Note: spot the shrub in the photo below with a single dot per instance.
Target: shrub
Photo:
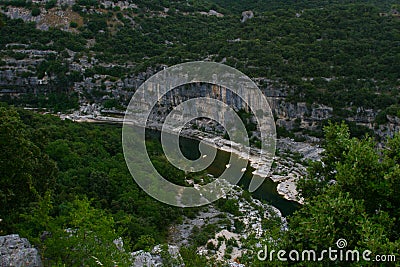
(73, 24)
(35, 11)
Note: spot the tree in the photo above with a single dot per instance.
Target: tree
(73, 24)
(324, 220)
(35, 11)
(361, 173)
(335, 215)
(25, 173)
(360, 204)
(80, 235)
(50, 4)
(145, 242)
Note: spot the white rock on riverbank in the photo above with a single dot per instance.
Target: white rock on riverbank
(252, 213)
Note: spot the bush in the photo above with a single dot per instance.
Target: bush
(239, 226)
(247, 196)
(229, 205)
(50, 4)
(211, 246)
(73, 24)
(76, 8)
(35, 11)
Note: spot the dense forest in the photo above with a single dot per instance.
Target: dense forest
(344, 54)
(351, 194)
(59, 175)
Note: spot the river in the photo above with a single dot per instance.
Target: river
(266, 192)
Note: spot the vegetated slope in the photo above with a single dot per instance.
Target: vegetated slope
(345, 55)
(65, 186)
(351, 195)
(339, 53)
(271, 5)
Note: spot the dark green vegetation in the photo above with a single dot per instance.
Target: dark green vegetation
(70, 180)
(362, 204)
(65, 186)
(340, 53)
(352, 194)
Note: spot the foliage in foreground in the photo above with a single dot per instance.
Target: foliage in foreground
(65, 186)
(352, 194)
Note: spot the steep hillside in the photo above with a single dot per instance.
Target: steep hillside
(65, 186)
(342, 56)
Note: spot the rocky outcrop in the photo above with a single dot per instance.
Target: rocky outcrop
(167, 255)
(292, 116)
(18, 252)
(121, 4)
(47, 18)
(17, 77)
(212, 13)
(389, 128)
(247, 15)
(233, 229)
(289, 166)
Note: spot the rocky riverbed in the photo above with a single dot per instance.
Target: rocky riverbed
(226, 232)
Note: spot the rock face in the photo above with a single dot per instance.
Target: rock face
(47, 18)
(18, 252)
(389, 128)
(232, 229)
(159, 256)
(247, 15)
(212, 13)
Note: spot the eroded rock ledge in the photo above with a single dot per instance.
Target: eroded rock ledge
(16, 251)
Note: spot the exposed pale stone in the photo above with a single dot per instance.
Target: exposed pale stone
(18, 252)
(154, 258)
